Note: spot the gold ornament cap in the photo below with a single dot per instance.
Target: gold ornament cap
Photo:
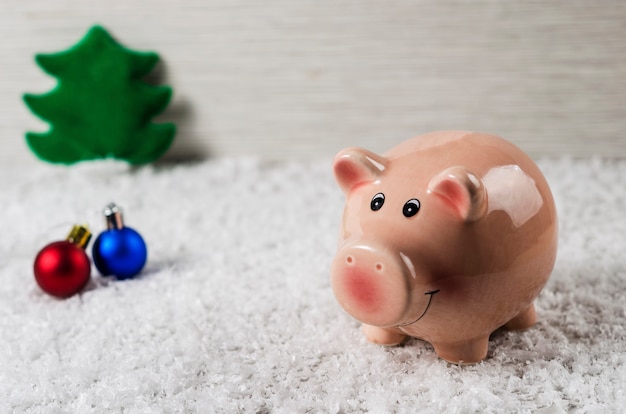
(79, 235)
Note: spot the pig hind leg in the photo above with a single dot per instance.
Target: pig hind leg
(523, 320)
(383, 336)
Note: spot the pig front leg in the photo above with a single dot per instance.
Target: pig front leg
(383, 336)
(467, 352)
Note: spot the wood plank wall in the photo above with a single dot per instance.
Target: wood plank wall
(303, 78)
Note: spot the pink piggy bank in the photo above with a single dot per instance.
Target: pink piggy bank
(447, 237)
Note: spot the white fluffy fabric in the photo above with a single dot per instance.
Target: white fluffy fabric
(234, 311)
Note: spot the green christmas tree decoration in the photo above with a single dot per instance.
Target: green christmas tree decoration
(100, 107)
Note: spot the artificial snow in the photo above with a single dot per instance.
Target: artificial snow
(234, 311)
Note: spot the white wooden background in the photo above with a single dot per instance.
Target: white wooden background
(304, 78)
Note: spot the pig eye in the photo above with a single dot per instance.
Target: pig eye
(411, 207)
(377, 202)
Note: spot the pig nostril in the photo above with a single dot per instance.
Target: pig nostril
(379, 267)
(349, 260)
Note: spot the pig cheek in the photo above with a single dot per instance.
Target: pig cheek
(364, 292)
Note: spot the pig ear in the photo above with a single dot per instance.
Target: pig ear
(356, 165)
(462, 191)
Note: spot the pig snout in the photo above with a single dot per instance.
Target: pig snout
(372, 284)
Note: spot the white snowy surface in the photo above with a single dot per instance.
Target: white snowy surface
(234, 311)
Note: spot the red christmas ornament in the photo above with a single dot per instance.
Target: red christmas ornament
(62, 268)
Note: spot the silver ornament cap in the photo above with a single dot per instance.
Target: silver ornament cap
(113, 216)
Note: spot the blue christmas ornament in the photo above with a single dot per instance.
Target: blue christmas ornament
(119, 251)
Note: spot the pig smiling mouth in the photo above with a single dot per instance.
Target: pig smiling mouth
(430, 299)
